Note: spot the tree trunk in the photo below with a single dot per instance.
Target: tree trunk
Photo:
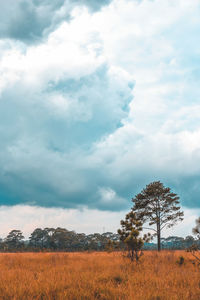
(158, 237)
(132, 255)
(136, 255)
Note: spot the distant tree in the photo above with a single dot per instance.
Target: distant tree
(173, 242)
(179, 243)
(189, 241)
(82, 243)
(111, 246)
(195, 248)
(38, 238)
(158, 206)
(49, 239)
(14, 239)
(2, 245)
(61, 238)
(196, 229)
(130, 234)
(95, 241)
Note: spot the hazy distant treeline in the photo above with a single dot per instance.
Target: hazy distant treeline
(58, 239)
(61, 239)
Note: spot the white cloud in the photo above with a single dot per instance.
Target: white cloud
(109, 198)
(27, 218)
(184, 228)
(63, 56)
(105, 104)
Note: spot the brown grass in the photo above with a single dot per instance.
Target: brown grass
(98, 276)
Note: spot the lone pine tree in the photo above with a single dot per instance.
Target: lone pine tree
(157, 205)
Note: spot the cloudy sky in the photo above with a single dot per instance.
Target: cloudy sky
(97, 99)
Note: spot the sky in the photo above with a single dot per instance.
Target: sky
(97, 100)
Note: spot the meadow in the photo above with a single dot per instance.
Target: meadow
(98, 275)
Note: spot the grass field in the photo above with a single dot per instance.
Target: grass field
(96, 275)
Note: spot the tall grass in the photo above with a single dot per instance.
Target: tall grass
(158, 276)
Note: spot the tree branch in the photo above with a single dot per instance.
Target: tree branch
(150, 228)
(196, 257)
(165, 225)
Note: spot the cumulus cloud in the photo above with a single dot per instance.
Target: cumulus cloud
(105, 104)
(57, 100)
(31, 20)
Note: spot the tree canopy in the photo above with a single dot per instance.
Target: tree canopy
(130, 234)
(157, 205)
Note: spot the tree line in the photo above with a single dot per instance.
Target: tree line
(58, 239)
(61, 239)
(156, 207)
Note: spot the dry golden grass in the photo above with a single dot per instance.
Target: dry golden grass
(98, 276)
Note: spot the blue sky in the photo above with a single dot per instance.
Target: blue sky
(97, 99)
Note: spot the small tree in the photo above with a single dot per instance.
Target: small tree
(195, 248)
(130, 235)
(111, 246)
(196, 229)
(158, 206)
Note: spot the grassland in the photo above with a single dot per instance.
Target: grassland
(96, 275)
